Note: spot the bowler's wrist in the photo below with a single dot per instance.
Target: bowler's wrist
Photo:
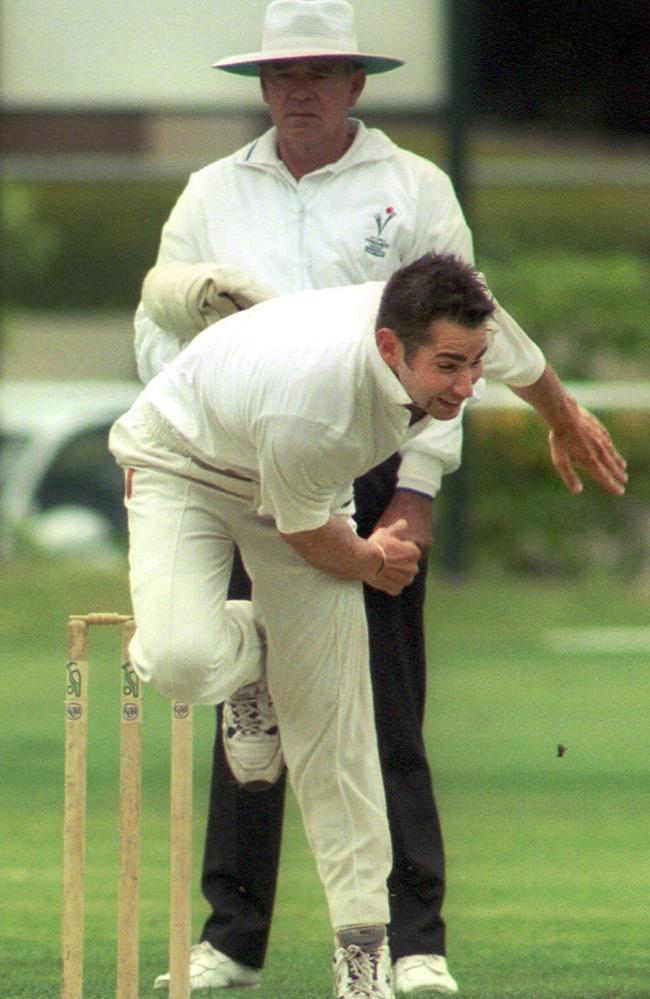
(382, 555)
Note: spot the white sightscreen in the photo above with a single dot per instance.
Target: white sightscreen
(156, 54)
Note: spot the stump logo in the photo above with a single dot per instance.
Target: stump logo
(376, 245)
(73, 685)
(130, 681)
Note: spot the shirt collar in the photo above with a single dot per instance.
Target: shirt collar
(367, 145)
(390, 386)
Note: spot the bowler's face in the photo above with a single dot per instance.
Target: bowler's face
(441, 374)
(310, 98)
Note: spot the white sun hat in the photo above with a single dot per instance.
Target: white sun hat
(307, 29)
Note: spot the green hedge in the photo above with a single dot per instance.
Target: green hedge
(589, 312)
(521, 517)
(81, 246)
(608, 219)
(88, 245)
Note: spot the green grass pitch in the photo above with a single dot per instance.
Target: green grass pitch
(548, 857)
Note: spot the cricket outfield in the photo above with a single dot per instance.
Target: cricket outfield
(547, 851)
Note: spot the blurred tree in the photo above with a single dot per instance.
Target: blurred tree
(30, 243)
(589, 312)
(585, 63)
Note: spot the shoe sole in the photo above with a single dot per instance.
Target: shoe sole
(164, 986)
(426, 990)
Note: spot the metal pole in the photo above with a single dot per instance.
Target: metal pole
(461, 35)
(460, 28)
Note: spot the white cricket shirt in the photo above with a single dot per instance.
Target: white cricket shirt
(304, 415)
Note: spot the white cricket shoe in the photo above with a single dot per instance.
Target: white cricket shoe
(422, 974)
(210, 969)
(251, 738)
(362, 974)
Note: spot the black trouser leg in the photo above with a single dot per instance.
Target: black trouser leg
(398, 667)
(242, 848)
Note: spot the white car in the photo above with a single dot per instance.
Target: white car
(60, 488)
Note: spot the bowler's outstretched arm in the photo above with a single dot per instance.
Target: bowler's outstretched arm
(575, 436)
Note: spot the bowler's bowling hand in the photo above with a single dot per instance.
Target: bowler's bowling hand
(585, 442)
(400, 559)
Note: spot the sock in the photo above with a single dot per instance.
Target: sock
(365, 937)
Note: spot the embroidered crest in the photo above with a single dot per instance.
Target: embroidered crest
(376, 245)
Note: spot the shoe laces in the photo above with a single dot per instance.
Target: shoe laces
(362, 970)
(251, 713)
(202, 954)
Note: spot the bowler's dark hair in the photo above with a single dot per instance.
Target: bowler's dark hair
(435, 286)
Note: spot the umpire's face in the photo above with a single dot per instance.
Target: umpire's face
(309, 99)
(440, 375)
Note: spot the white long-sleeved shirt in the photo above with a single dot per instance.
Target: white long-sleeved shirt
(359, 219)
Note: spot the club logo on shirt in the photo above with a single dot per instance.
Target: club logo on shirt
(376, 245)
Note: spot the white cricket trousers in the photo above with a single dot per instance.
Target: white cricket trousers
(305, 629)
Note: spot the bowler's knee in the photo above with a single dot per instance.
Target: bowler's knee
(180, 672)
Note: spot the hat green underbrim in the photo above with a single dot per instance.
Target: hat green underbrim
(371, 64)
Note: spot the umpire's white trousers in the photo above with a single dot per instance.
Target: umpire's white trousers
(306, 629)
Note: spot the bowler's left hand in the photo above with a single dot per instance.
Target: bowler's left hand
(415, 509)
(585, 442)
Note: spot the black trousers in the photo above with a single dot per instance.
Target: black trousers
(243, 836)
